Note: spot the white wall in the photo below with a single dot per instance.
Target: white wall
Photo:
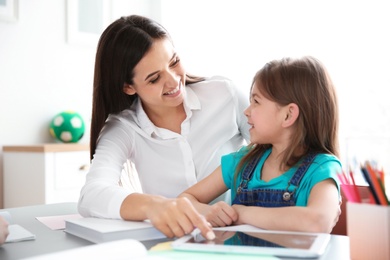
(41, 74)
(236, 38)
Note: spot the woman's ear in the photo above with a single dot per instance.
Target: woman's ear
(292, 113)
(128, 89)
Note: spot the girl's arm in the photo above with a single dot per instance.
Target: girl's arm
(202, 193)
(320, 214)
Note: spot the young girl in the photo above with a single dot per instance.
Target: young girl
(285, 179)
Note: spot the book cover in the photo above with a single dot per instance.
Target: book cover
(99, 230)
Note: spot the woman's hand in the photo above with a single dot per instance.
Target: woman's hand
(4, 232)
(177, 217)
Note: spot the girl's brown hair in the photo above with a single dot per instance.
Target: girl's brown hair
(305, 82)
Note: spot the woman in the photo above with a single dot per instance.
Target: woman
(173, 127)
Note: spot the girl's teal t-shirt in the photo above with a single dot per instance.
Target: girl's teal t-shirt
(324, 166)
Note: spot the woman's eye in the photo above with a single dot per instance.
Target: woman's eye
(155, 80)
(176, 61)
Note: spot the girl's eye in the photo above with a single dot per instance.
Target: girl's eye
(254, 101)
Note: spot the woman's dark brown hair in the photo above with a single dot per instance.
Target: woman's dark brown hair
(121, 46)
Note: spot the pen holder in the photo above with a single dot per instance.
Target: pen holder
(368, 228)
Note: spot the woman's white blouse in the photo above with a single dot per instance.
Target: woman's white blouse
(167, 163)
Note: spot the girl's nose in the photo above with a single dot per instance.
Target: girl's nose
(247, 111)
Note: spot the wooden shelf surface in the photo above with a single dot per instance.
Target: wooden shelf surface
(49, 147)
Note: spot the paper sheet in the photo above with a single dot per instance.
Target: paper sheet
(57, 222)
(18, 233)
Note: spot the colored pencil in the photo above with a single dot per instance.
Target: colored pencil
(376, 185)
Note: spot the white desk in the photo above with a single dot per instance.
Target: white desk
(49, 241)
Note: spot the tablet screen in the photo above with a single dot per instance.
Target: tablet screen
(261, 242)
(237, 238)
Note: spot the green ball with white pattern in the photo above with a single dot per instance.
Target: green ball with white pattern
(67, 127)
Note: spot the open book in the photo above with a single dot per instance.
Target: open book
(135, 250)
(114, 250)
(16, 232)
(99, 230)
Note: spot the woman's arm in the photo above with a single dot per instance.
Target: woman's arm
(202, 193)
(103, 197)
(320, 214)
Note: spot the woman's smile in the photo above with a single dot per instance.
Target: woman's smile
(173, 92)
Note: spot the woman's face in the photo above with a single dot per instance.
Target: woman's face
(159, 77)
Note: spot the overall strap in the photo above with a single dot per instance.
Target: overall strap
(300, 172)
(297, 177)
(248, 172)
(250, 168)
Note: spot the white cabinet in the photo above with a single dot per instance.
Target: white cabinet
(43, 174)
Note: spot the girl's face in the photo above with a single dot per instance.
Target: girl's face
(158, 77)
(265, 117)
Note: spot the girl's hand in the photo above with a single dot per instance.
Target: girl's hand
(239, 209)
(220, 214)
(178, 217)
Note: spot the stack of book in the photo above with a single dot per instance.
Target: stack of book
(99, 230)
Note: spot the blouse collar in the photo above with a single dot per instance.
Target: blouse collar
(191, 102)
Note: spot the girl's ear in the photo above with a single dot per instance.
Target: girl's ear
(292, 113)
(128, 89)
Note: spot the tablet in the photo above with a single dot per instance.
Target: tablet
(254, 241)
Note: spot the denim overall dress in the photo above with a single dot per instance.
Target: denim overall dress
(270, 197)
(266, 197)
